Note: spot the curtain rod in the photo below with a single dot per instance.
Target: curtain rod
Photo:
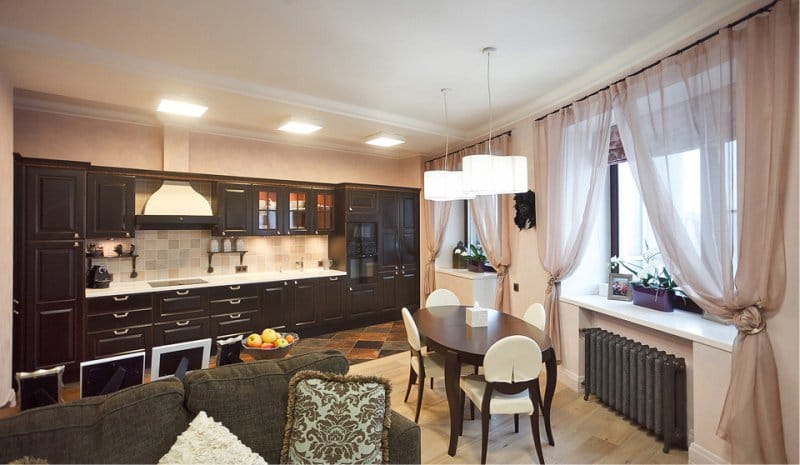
(470, 146)
(678, 52)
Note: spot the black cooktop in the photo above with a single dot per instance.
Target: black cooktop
(176, 282)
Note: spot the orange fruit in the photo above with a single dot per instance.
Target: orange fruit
(289, 338)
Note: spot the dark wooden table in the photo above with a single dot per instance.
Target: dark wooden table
(447, 332)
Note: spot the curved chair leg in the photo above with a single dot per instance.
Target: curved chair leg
(461, 413)
(484, 435)
(516, 422)
(537, 441)
(420, 389)
(412, 378)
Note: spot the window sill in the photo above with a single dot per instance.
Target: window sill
(685, 325)
(462, 273)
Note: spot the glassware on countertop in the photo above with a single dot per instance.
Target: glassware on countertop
(213, 245)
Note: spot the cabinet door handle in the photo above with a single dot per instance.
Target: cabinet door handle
(127, 234)
(16, 302)
(223, 233)
(334, 278)
(279, 233)
(351, 289)
(182, 292)
(236, 301)
(238, 191)
(396, 273)
(234, 288)
(395, 267)
(350, 209)
(121, 299)
(181, 323)
(317, 231)
(76, 244)
(121, 332)
(76, 235)
(121, 315)
(235, 316)
(295, 282)
(285, 283)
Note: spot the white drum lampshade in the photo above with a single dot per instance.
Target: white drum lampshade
(444, 185)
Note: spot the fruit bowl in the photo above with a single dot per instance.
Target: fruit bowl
(273, 353)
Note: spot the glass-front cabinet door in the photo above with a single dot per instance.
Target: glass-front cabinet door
(323, 219)
(269, 221)
(299, 212)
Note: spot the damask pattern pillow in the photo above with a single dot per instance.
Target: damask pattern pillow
(334, 418)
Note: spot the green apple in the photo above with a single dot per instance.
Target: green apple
(281, 342)
(269, 335)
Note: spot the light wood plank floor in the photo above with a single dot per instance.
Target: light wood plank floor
(584, 431)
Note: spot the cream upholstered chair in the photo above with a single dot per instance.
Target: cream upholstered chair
(509, 385)
(441, 297)
(536, 315)
(422, 364)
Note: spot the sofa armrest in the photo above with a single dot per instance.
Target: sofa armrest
(404, 438)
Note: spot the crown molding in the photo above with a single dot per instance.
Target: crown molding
(119, 116)
(47, 45)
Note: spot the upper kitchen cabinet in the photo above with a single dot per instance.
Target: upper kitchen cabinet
(323, 213)
(55, 202)
(399, 230)
(110, 206)
(269, 206)
(234, 204)
(299, 219)
(361, 204)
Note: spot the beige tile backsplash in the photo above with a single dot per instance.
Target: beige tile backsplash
(182, 254)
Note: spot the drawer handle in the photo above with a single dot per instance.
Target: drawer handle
(121, 315)
(182, 323)
(334, 279)
(234, 288)
(121, 299)
(351, 289)
(182, 292)
(235, 316)
(236, 301)
(121, 332)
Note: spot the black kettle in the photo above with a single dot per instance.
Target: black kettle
(99, 277)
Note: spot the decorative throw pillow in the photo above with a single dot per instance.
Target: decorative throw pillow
(334, 418)
(208, 441)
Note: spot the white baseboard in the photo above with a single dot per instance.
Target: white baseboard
(699, 454)
(570, 379)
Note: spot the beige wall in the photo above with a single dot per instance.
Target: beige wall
(6, 231)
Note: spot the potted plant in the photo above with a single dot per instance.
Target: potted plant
(655, 287)
(477, 261)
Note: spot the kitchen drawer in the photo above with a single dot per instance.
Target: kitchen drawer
(182, 304)
(233, 324)
(180, 331)
(118, 320)
(233, 292)
(243, 304)
(119, 303)
(115, 342)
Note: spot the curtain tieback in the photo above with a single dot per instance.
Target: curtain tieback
(502, 270)
(750, 320)
(552, 282)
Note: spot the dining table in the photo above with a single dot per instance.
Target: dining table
(446, 331)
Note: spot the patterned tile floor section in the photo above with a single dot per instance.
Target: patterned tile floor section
(361, 344)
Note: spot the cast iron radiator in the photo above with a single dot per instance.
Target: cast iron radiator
(644, 384)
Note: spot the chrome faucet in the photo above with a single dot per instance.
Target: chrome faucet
(300, 263)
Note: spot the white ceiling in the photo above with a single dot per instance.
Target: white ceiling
(359, 66)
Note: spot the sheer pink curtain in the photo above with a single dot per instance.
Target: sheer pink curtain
(570, 165)
(492, 217)
(437, 214)
(707, 134)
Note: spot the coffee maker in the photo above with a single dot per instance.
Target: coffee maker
(98, 277)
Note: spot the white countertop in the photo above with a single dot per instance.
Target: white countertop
(463, 273)
(678, 323)
(138, 287)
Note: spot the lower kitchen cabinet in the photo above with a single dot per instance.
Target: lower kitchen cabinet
(54, 335)
(329, 302)
(362, 300)
(387, 291)
(181, 304)
(274, 304)
(180, 331)
(302, 311)
(235, 324)
(408, 289)
(118, 341)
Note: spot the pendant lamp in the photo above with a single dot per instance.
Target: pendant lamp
(442, 185)
(488, 174)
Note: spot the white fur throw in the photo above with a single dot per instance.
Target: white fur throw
(207, 441)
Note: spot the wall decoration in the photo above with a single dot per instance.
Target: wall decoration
(526, 210)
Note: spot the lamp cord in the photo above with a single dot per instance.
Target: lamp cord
(489, 91)
(446, 129)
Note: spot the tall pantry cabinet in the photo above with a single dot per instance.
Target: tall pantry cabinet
(49, 266)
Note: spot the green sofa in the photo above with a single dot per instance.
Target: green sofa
(140, 424)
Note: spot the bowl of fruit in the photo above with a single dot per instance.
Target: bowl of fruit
(269, 344)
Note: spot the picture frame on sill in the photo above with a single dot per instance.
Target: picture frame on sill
(619, 286)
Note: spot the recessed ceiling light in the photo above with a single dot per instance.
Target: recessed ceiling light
(385, 140)
(299, 127)
(181, 108)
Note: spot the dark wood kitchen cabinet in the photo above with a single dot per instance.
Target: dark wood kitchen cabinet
(268, 206)
(398, 251)
(299, 207)
(274, 304)
(234, 205)
(118, 324)
(54, 203)
(110, 209)
(302, 310)
(329, 300)
(323, 211)
(361, 204)
(362, 300)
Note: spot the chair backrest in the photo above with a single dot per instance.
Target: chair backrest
(412, 333)
(40, 387)
(228, 351)
(513, 359)
(536, 315)
(441, 297)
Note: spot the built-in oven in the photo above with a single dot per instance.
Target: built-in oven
(362, 252)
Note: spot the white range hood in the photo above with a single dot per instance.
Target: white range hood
(177, 198)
